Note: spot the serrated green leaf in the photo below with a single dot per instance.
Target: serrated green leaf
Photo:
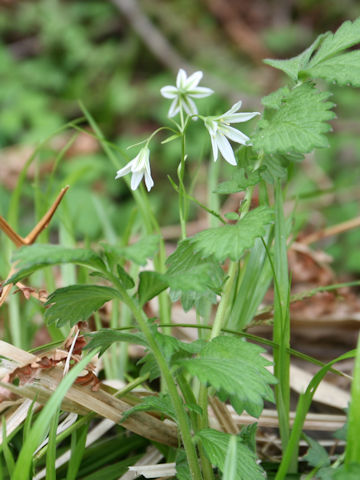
(76, 303)
(347, 35)
(298, 124)
(274, 99)
(150, 285)
(231, 241)
(191, 277)
(236, 370)
(138, 252)
(316, 455)
(293, 65)
(216, 446)
(343, 69)
(31, 258)
(240, 181)
(124, 278)
(161, 403)
(149, 366)
(104, 338)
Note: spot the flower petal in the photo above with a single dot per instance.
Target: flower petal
(233, 109)
(234, 134)
(225, 148)
(181, 78)
(125, 170)
(136, 179)
(214, 147)
(149, 182)
(189, 106)
(200, 92)
(193, 80)
(240, 117)
(174, 107)
(169, 91)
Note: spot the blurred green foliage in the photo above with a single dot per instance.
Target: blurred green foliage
(56, 52)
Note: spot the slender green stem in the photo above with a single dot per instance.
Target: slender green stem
(281, 332)
(181, 416)
(182, 197)
(225, 304)
(213, 198)
(204, 423)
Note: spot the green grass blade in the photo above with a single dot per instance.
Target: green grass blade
(230, 460)
(352, 452)
(281, 333)
(301, 411)
(51, 451)
(78, 442)
(8, 456)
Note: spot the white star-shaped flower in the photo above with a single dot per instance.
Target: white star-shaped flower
(139, 167)
(220, 131)
(186, 89)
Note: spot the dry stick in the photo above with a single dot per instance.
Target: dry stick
(44, 222)
(330, 231)
(14, 237)
(223, 416)
(30, 238)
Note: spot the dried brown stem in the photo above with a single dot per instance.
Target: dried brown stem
(44, 222)
(330, 231)
(30, 238)
(14, 237)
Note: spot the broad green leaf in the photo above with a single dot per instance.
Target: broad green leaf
(161, 403)
(76, 303)
(316, 455)
(104, 338)
(347, 35)
(191, 277)
(31, 258)
(296, 122)
(236, 370)
(294, 65)
(124, 277)
(138, 252)
(239, 182)
(149, 366)
(216, 446)
(343, 69)
(231, 241)
(150, 285)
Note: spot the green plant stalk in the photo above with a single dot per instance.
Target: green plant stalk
(182, 197)
(301, 412)
(198, 421)
(281, 331)
(204, 423)
(352, 451)
(225, 304)
(213, 198)
(150, 222)
(181, 416)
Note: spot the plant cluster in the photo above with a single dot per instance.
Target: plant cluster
(222, 272)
